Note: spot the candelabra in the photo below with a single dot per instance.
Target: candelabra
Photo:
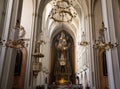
(16, 43)
(36, 64)
(100, 44)
(20, 43)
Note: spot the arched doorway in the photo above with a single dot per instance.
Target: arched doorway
(20, 69)
(62, 59)
(102, 69)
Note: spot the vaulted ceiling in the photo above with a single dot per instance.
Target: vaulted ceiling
(44, 7)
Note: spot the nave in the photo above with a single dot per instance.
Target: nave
(61, 44)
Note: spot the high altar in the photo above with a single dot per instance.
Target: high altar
(62, 71)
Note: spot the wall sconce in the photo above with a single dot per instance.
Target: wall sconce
(16, 43)
(100, 44)
(105, 46)
(83, 42)
(36, 64)
(41, 42)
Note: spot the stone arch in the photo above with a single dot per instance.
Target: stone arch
(60, 28)
(102, 68)
(52, 23)
(20, 68)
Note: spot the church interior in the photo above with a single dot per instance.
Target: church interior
(59, 44)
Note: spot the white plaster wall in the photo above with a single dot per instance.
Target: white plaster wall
(97, 18)
(26, 18)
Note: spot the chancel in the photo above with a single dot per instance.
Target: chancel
(62, 71)
(59, 44)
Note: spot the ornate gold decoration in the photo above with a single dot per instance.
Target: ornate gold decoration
(19, 43)
(41, 42)
(16, 43)
(100, 44)
(62, 43)
(62, 64)
(62, 11)
(62, 81)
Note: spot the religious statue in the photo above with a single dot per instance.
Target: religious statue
(62, 60)
(62, 42)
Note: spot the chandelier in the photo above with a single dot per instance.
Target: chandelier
(83, 41)
(100, 43)
(62, 11)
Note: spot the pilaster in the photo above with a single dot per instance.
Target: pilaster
(7, 57)
(5, 35)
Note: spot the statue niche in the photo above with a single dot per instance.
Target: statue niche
(62, 71)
